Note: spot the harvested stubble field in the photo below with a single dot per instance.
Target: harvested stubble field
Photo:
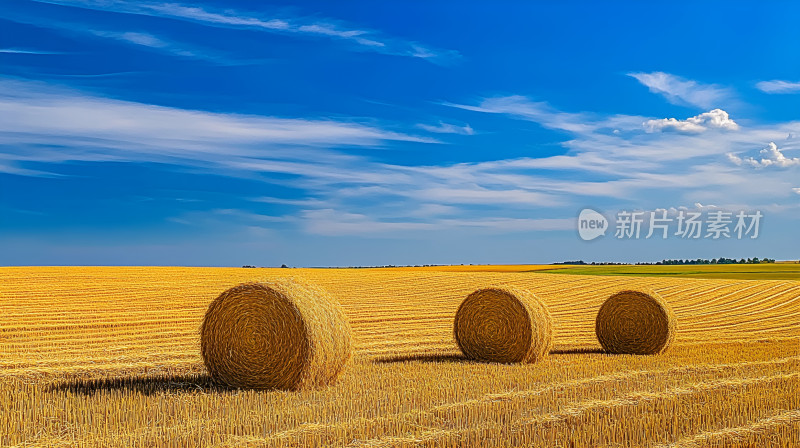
(110, 357)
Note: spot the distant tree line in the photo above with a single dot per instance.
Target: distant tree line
(721, 260)
(594, 263)
(399, 266)
(253, 267)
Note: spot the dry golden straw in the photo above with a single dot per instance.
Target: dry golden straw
(283, 335)
(503, 324)
(635, 322)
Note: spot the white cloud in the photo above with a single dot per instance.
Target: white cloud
(151, 41)
(515, 194)
(137, 38)
(672, 123)
(429, 210)
(678, 90)
(334, 222)
(176, 10)
(46, 124)
(346, 193)
(337, 222)
(476, 194)
(699, 207)
(447, 128)
(368, 40)
(23, 51)
(778, 86)
(144, 39)
(601, 163)
(770, 156)
(796, 190)
(514, 224)
(540, 112)
(714, 119)
(330, 30)
(297, 202)
(734, 158)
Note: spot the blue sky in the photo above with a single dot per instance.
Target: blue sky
(364, 133)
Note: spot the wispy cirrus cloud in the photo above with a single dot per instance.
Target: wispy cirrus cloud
(540, 112)
(48, 124)
(336, 223)
(26, 51)
(683, 91)
(778, 86)
(140, 39)
(447, 128)
(635, 159)
(45, 126)
(363, 39)
(152, 41)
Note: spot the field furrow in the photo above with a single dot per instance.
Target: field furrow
(98, 357)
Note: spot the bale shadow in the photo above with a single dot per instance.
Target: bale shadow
(145, 385)
(578, 351)
(423, 358)
(461, 358)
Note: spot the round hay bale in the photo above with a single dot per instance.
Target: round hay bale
(282, 335)
(635, 322)
(503, 324)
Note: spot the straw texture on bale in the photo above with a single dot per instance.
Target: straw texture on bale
(282, 335)
(635, 322)
(503, 324)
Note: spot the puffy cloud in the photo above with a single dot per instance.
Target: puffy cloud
(714, 119)
(796, 190)
(778, 86)
(735, 159)
(770, 156)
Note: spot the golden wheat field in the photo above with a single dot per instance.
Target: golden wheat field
(109, 356)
